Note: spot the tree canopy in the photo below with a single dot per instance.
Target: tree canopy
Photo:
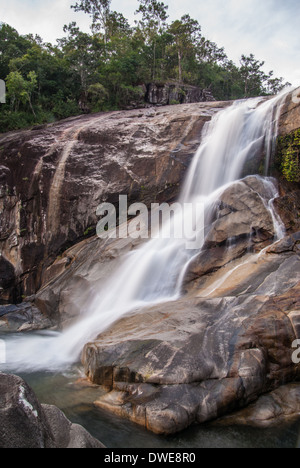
(108, 68)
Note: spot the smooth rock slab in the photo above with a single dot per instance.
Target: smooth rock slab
(22, 317)
(196, 359)
(277, 407)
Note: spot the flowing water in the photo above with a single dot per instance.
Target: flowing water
(154, 272)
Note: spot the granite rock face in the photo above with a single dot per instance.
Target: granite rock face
(162, 94)
(52, 180)
(241, 222)
(214, 351)
(25, 423)
(278, 407)
(23, 317)
(229, 339)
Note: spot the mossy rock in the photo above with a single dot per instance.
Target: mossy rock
(288, 156)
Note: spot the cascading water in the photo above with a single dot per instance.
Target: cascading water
(154, 272)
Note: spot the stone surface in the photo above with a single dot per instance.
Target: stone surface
(288, 208)
(25, 423)
(199, 358)
(241, 223)
(227, 341)
(162, 94)
(52, 180)
(23, 317)
(278, 407)
(290, 116)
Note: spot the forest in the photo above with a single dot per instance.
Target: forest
(108, 68)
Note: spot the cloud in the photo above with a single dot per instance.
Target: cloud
(43, 17)
(267, 28)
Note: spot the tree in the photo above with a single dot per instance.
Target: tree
(99, 10)
(97, 95)
(20, 90)
(12, 45)
(186, 35)
(154, 13)
(252, 75)
(83, 55)
(154, 17)
(275, 85)
(117, 25)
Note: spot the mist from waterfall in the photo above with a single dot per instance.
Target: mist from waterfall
(153, 273)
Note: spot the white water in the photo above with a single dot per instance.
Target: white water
(154, 273)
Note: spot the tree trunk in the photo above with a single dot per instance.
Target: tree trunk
(154, 61)
(31, 107)
(179, 66)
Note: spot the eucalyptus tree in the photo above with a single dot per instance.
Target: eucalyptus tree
(153, 25)
(186, 34)
(99, 11)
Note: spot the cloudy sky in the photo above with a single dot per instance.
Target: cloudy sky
(268, 28)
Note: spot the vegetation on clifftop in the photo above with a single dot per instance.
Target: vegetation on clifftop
(108, 68)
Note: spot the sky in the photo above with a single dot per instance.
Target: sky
(269, 29)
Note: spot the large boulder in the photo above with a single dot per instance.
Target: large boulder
(52, 180)
(25, 423)
(289, 119)
(215, 350)
(23, 317)
(273, 409)
(162, 94)
(241, 221)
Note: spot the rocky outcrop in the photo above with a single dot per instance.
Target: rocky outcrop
(52, 179)
(290, 118)
(241, 222)
(276, 408)
(199, 358)
(25, 423)
(228, 340)
(162, 94)
(23, 317)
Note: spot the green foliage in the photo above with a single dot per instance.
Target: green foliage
(288, 156)
(88, 231)
(108, 68)
(97, 95)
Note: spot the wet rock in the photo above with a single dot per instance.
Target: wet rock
(7, 280)
(241, 223)
(290, 117)
(278, 407)
(288, 244)
(288, 208)
(193, 360)
(69, 284)
(22, 317)
(66, 434)
(53, 179)
(242, 211)
(25, 423)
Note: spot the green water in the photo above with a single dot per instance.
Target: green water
(77, 402)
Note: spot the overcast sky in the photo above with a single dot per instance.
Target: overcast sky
(268, 28)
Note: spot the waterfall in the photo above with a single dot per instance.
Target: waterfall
(154, 272)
